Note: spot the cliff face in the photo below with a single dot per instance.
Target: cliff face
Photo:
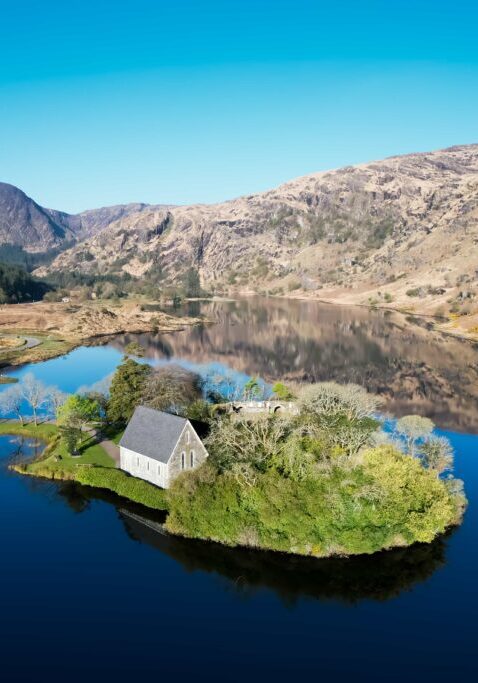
(411, 221)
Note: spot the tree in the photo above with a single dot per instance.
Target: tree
(333, 400)
(437, 454)
(78, 411)
(101, 399)
(253, 390)
(56, 398)
(71, 436)
(343, 414)
(34, 392)
(282, 392)
(11, 401)
(126, 391)
(172, 388)
(413, 428)
(255, 442)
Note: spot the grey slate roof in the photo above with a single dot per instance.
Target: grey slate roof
(153, 433)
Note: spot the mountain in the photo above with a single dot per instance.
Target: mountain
(26, 224)
(411, 220)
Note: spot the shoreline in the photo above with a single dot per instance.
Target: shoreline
(59, 329)
(55, 345)
(443, 327)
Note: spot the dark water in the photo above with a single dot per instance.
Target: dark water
(90, 590)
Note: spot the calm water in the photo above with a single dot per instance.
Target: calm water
(91, 590)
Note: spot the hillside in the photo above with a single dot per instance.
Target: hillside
(26, 224)
(403, 224)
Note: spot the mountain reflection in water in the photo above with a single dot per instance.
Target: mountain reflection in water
(401, 358)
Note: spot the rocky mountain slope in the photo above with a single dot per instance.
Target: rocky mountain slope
(402, 224)
(26, 224)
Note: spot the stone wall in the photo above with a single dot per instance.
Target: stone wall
(188, 443)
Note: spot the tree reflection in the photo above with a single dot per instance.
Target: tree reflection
(378, 577)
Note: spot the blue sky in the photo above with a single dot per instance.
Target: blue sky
(202, 100)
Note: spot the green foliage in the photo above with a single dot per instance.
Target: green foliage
(16, 255)
(77, 411)
(253, 390)
(124, 485)
(126, 389)
(71, 437)
(282, 392)
(386, 499)
(17, 286)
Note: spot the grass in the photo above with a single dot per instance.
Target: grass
(94, 467)
(44, 431)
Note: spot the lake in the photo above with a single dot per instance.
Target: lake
(90, 589)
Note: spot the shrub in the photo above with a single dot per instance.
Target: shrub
(387, 500)
(122, 484)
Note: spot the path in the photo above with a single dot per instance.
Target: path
(31, 342)
(111, 448)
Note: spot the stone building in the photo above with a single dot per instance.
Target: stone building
(157, 446)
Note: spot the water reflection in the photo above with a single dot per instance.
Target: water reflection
(379, 577)
(414, 368)
(15, 449)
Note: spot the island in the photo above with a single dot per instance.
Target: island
(311, 470)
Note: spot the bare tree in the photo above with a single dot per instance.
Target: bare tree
(413, 429)
(437, 454)
(11, 401)
(248, 441)
(34, 392)
(171, 388)
(330, 399)
(56, 398)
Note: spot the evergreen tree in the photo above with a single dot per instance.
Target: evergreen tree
(126, 389)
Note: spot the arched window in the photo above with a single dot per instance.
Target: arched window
(191, 458)
(183, 460)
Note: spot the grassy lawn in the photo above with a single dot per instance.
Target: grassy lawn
(55, 455)
(45, 431)
(93, 467)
